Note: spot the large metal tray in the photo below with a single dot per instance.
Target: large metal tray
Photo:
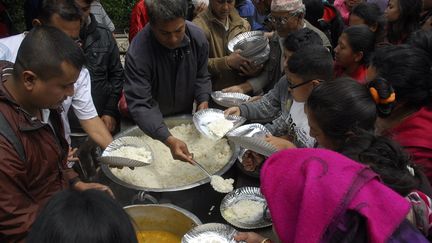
(170, 122)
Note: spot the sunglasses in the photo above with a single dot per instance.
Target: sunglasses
(282, 20)
(293, 86)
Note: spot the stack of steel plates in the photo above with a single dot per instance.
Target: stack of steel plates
(252, 45)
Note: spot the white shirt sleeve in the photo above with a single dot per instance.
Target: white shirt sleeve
(82, 102)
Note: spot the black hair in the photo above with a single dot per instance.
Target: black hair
(408, 70)
(422, 39)
(361, 39)
(89, 216)
(408, 22)
(346, 113)
(166, 10)
(369, 12)
(301, 38)
(372, 16)
(44, 49)
(66, 9)
(384, 156)
(342, 105)
(314, 11)
(312, 62)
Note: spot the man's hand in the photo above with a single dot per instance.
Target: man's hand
(234, 60)
(82, 186)
(200, 7)
(110, 122)
(179, 149)
(252, 161)
(241, 88)
(249, 237)
(279, 143)
(250, 69)
(71, 155)
(254, 98)
(235, 110)
(97, 131)
(202, 106)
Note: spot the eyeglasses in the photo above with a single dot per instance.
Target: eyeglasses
(281, 20)
(293, 86)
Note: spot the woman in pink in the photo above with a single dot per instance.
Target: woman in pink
(352, 52)
(345, 7)
(317, 195)
(408, 70)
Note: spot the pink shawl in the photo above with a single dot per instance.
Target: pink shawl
(306, 190)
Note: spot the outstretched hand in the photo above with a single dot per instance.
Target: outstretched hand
(179, 149)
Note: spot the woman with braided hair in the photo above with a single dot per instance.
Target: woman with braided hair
(408, 70)
(342, 114)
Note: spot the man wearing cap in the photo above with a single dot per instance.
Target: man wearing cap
(287, 16)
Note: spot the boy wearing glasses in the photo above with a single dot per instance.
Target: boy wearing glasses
(306, 64)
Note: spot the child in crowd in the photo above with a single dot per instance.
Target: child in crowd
(88, 216)
(352, 52)
(403, 18)
(370, 15)
(317, 195)
(305, 69)
(342, 115)
(408, 70)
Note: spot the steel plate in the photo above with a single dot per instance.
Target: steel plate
(246, 193)
(107, 158)
(210, 233)
(229, 99)
(203, 118)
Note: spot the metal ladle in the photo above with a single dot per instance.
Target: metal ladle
(202, 168)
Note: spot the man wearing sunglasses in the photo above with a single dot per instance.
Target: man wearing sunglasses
(287, 16)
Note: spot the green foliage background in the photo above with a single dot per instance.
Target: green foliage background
(118, 10)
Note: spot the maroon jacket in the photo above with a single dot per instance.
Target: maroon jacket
(25, 186)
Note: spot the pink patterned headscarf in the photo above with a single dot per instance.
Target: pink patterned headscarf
(286, 5)
(306, 190)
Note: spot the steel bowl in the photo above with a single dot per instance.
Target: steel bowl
(170, 122)
(162, 217)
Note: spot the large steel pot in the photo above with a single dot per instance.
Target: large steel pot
(162, 217)
(170, 122)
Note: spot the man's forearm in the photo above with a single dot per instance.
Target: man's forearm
(97, 131)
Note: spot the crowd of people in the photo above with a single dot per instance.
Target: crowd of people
(346, 94)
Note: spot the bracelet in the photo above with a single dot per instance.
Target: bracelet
(266, 240)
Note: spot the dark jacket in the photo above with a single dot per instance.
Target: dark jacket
(25, 186)
(161, 82)
(103, 63)
(273, 67)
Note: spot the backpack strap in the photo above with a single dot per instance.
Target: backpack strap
(7, 132)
